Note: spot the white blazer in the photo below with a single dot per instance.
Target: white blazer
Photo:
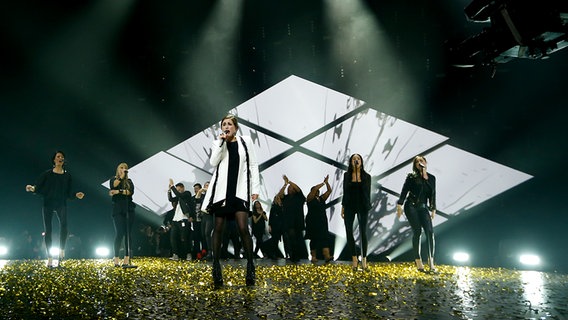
(220, 157)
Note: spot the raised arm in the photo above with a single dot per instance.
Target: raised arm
(328, 191)
(313, 192)
(281, 192)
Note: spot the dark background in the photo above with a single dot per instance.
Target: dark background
(107, 82)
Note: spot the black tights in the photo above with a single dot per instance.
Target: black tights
(349, 218)
(242, 224)
(61, 213)
(419, 218)
(120, 225)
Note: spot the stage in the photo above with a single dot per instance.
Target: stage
(164, 289)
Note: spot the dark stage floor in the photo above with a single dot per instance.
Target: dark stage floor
(164, 289)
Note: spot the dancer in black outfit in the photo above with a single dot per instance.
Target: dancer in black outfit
(199, 248)
(235, 183)
(259, 219)
(294, 225)
(121, 191)
(55, 185)
(419, 192)
(356, 202)
(276, 226)
(207, 223)
(180, 234)
(316, 221)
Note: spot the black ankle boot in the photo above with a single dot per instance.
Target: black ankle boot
(251, 274)
(217, 275)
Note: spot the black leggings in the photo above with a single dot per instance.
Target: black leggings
(206, 231)
(419, 218)
(258, 240)
(242, 225)
(180, 238)
(349, 218)
(120, 225)
(61, 213)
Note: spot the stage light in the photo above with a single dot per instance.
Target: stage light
(102, 252)
(3, 250)
(518, 29)
(54, 251)
(461, 256)
(529, 259)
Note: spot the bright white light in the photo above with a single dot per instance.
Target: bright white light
(461, 257)
(102, 251)
(54, 252)
(529, 259)
(3, 250)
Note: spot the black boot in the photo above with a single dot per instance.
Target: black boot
(217, 275)
(251, 274)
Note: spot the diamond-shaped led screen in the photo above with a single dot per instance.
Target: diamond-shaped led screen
(306, 131)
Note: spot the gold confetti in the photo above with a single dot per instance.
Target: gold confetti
(164, 289)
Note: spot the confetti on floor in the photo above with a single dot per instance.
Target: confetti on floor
(162, 289)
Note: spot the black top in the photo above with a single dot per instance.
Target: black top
(419, 190)
(55, 188)
(357, 195)
(185, 200)
(260, 226)
(122, 198)
(294, 211)
(198, 202)
(233, 172)
(275, 219)
(316, 219)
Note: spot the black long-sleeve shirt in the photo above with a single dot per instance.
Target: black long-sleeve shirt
(55, 188)
(357, 195)
(120, 198)
(419, 190)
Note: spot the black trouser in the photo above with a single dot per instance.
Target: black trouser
(274, 251)
(197, 239)
(258, 234)
(121, 226)
(61, 213)
(419, 218)
(180, 237)
(349, 218)
(296, 247)
(207, 225)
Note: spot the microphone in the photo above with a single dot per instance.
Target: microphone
(125, 171)
(223, 140)
(421, 164)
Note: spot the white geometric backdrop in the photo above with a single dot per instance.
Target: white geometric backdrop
(307, 131)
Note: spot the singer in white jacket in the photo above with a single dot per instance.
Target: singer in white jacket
(235, 183)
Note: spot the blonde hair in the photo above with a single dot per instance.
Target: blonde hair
(125, 182)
